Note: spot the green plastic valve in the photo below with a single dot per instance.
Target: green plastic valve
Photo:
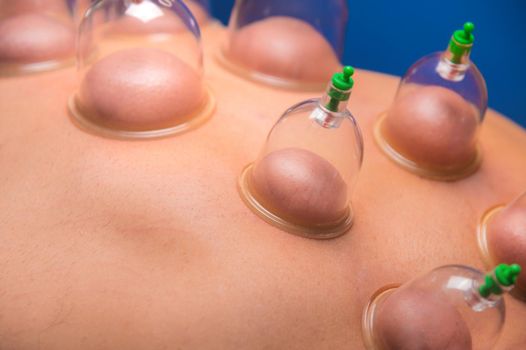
(340, 90)
(503, 276)
(507, 274)
(344, 81)
(462, 42)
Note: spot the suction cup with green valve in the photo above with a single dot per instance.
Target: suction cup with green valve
(303, 180)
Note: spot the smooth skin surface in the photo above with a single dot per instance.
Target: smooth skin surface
(414, 319)
(11, 7)
(140, 89)
(300, 186)
(107, 244)
(506, 235)
(283, 47)
(432, 126)
(35, 37)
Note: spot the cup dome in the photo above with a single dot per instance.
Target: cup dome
(275, 42)
(35, 36)
(304, 177)
(432, 127)
(502, 238)
(140, 70)
(454, 307)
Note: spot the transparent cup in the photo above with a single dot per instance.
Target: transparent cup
(36, 36)
(304, 177)
(432, 127)
(502, 238)
(452, 306)
(276, 42)
(140, 70)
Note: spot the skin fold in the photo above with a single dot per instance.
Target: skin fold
(111, 244)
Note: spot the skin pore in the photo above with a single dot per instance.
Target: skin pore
(111, 244)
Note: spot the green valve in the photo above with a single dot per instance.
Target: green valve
(462, 42)
(344, 81)
(340, 91)
(503, 276)
(507, 274)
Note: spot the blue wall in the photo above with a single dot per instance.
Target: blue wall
(388, 36)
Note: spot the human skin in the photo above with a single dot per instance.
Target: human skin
(140, 89)
(200, 13)
(433, 127)
(283, 47)
(10, 7)
(108, 244)
(35, 37)
(506, 235)
(415, 319)
(300, 187)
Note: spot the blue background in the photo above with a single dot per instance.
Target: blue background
(388, 36)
